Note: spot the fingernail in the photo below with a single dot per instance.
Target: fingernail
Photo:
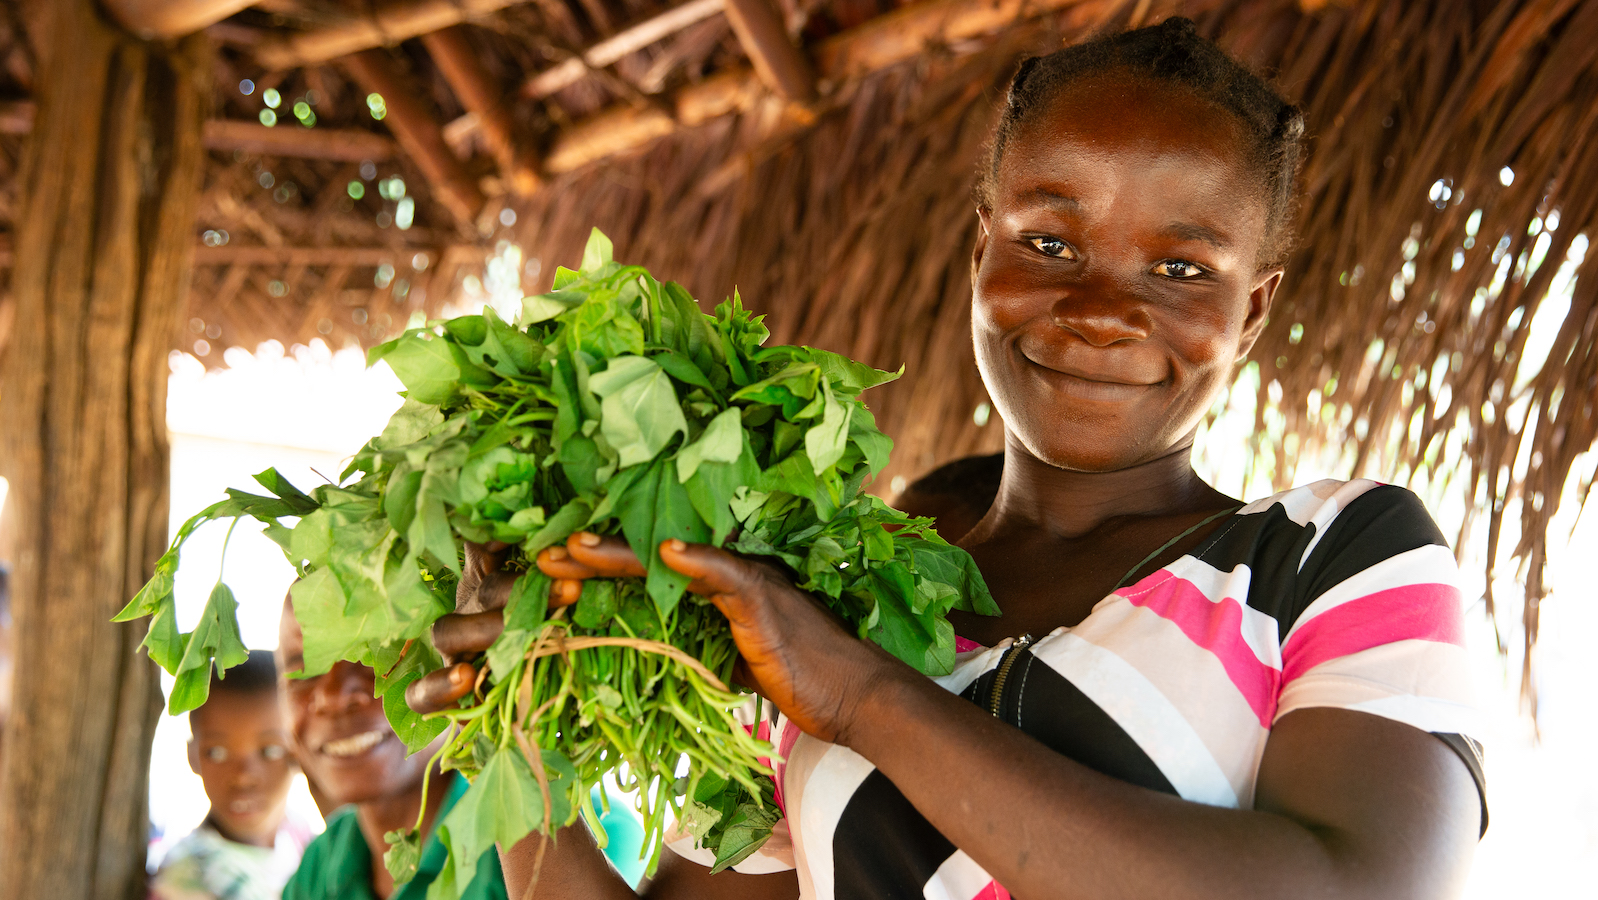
(676, 545)
(588, 539)
(457, 674)
(557, 552)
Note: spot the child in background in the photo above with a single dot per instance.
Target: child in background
(246, 849)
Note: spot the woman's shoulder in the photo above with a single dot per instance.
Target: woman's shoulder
(1300, 543)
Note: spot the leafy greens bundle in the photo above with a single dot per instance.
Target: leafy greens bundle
(613, 405)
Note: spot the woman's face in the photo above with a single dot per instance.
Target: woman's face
(1115, 282)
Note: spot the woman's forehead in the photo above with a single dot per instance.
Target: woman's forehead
(1115, 115)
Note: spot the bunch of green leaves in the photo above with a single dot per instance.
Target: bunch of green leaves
(612, 404)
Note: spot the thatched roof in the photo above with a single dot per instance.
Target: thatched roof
(829, 182)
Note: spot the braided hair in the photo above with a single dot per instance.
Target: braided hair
(1173, 52)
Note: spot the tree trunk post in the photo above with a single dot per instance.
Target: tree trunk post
(104, 246)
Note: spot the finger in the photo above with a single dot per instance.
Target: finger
(714, 571)
(557, 563)
(608, 557)
(564, 592)
(439, 690)
(458, 636)
(494, 591)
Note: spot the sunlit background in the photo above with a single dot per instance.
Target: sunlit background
(305, 410)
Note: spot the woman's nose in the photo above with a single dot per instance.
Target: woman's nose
(343, 687)
(1101, 313)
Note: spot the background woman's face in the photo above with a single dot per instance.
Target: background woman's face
(1115, 282)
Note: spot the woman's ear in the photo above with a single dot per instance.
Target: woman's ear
(1259, 310)
(194, 756)
(984, 217)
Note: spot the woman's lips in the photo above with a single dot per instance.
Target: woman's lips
(1091, 385)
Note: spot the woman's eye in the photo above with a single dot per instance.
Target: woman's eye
(1049, 246)
(1177, 268)
(216, 754)
(273, 752)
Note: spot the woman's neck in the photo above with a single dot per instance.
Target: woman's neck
(398, 813)
(1069, 504)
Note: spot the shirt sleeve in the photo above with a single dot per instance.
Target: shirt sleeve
(1382, 628)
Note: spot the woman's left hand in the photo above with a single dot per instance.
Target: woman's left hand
(794, 652)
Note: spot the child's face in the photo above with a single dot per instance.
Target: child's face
(240, 751)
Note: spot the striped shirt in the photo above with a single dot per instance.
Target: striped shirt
(1338, 594)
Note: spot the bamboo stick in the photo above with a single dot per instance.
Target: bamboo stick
(389, 24)
(164, 19)
(476, 90)
(613, 48)
(418, 132)
(782, 66)
(347, 144)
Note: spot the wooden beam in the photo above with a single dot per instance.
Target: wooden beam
(618, 45)
(347, 144)
(909, 30)
(626, 127)
(418, 132)
(882, 42)
(311, 256)
(782, 66)
(164, 19)
(384, 26)
(476, 90)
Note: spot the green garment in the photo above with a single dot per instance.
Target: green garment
(338, 864)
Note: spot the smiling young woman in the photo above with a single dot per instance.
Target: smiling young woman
(1185, 697)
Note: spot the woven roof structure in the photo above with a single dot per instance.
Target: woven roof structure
(374, 160)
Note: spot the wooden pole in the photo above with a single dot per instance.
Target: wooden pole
(385, 26)
(104, 237)
(476, 90)
(418, 132)
(781, 65)
(613, 48)
(346, 144)
(164, 19)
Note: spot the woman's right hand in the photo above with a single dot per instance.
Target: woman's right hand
(465, 634)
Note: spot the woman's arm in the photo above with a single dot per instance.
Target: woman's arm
(1347, 804)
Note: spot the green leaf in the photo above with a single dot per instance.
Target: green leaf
(544, 307)
(824, 442)
(318, 603)
(682, 368)
(215, 637)
(848, 376)
(559, 527)
(721, 441)
(675, 517)
(427, 368)
(640, 412)
(403, 855)
(598, 253)
(280, 486)
(163, 642)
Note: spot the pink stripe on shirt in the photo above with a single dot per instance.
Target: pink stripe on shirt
(1217, 626)
(1414, 612)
